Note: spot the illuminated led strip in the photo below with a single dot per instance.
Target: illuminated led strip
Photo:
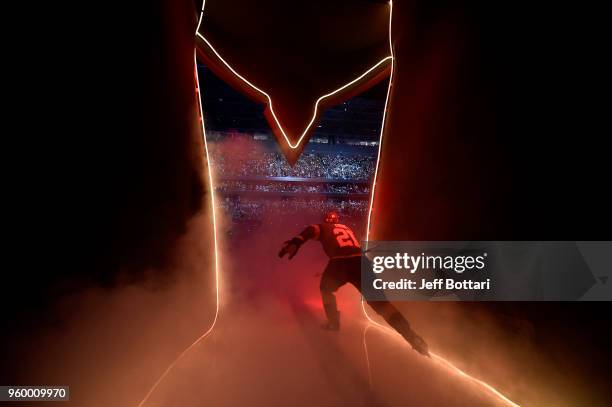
(385, 329)
(435, 357)
(267, 96)
(382, 126)
(462, 373)
(447, 364)
(367, 354)
(216, 255)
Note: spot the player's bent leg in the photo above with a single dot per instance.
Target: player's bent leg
(331, 310)
(330, 282)
(400, 324)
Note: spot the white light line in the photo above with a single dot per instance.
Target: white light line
(462, 373)
(386, 329)
(201, 15)
(382, 127)
(293, 146)
(448, 364)
(367, 356)
(267, 96)
(212, 202)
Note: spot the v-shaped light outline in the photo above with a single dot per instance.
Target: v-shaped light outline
(269, 98)
(371, 321)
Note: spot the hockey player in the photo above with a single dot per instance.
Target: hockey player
(344, 252)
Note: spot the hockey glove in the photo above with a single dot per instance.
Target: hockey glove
(290, 247)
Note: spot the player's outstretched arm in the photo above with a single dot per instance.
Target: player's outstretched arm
(292, 246)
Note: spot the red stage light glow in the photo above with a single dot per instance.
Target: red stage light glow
(439, 359)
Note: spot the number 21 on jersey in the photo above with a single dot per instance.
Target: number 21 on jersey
(345, 236)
